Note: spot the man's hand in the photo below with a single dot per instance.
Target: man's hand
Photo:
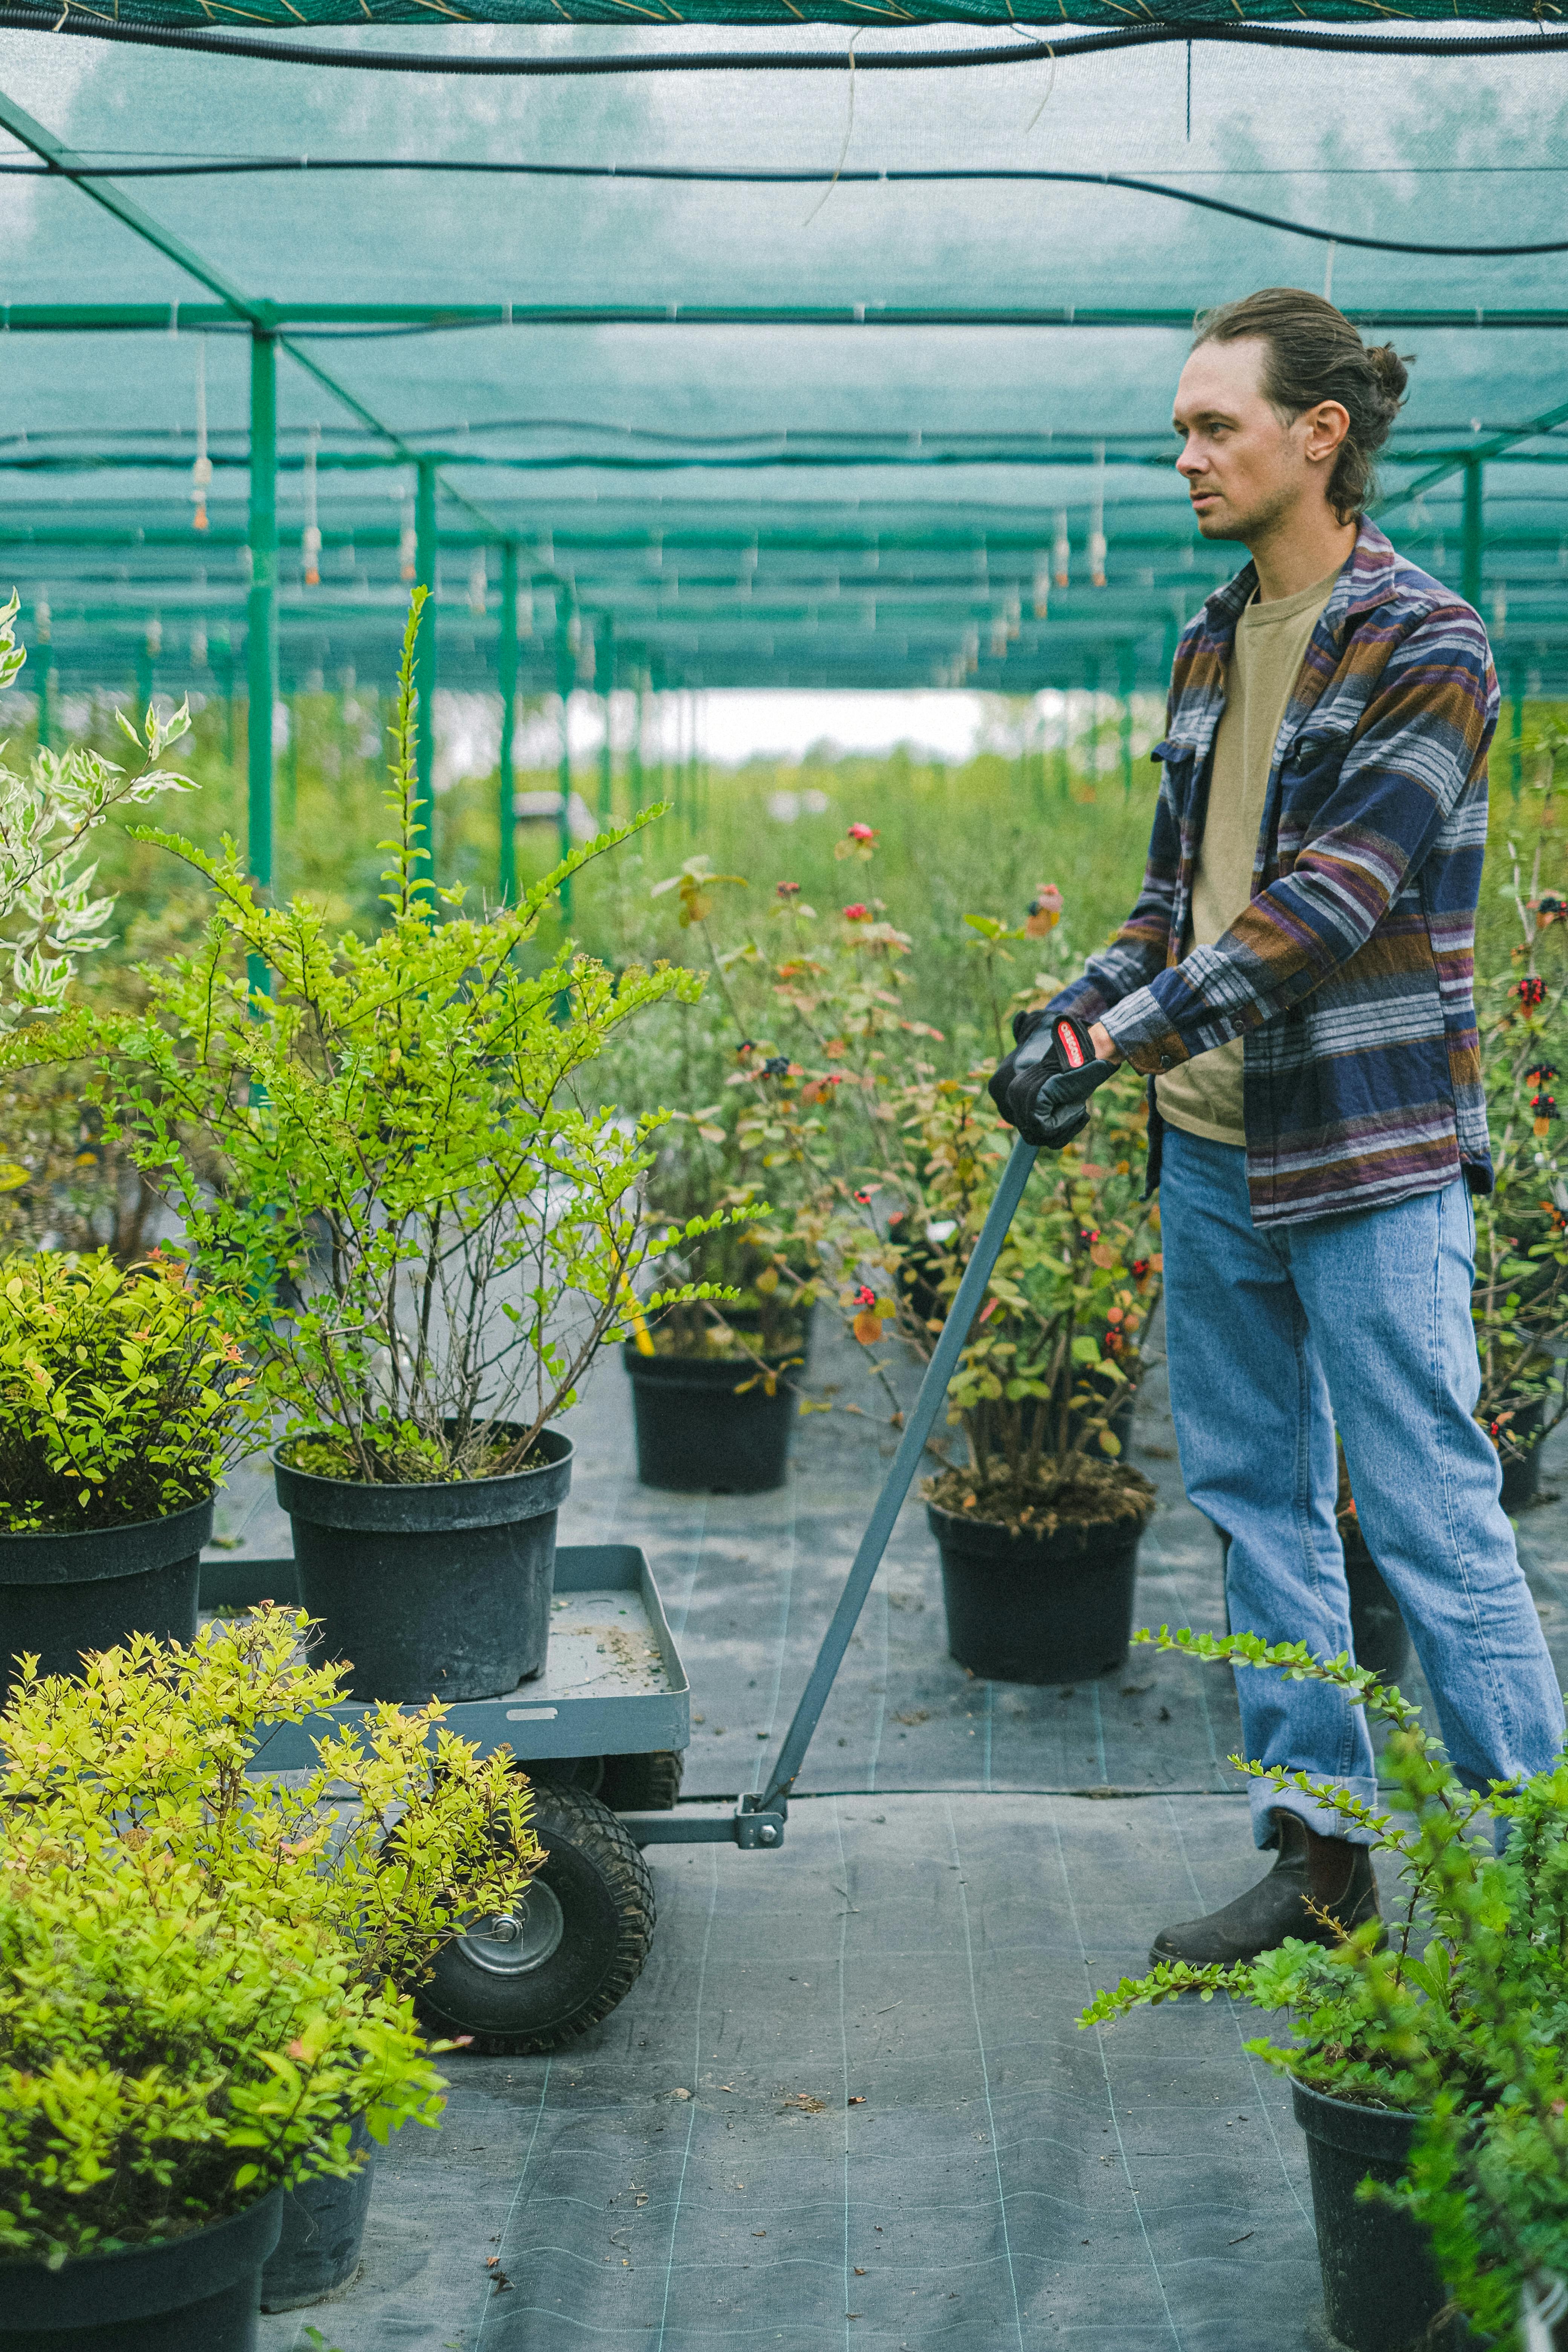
(1043, 1087)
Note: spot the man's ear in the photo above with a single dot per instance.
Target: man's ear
(1326, 425)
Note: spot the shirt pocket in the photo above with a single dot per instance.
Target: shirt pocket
(1309, 777)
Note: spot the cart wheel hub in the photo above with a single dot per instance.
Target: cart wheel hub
(510, 1943)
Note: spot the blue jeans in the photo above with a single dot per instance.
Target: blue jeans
(1364, 1318)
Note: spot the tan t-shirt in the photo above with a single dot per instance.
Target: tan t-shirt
(1204, 1095)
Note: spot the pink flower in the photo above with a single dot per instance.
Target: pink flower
(789, 889)
(858, 912)
(861, 833)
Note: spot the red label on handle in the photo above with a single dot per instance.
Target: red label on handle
(1072, 1052)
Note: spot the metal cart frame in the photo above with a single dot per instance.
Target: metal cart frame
(560, 1725)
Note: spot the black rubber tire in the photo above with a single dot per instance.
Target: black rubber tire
(584, 1773)
(605, 1894)
(643, 1784)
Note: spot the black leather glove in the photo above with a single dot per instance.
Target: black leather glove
(1044, 1085)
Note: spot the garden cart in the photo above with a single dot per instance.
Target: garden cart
(602, 1733)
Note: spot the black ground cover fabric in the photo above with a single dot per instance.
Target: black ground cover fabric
(847, 2103)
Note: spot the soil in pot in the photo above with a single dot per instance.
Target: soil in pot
(199, 2293)
(1381, 2288)
(436, 1589)
(319, 2245)
(62, 1595)
(706, 1424)
(1045, 1598)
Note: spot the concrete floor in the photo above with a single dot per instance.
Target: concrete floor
(848, 2102)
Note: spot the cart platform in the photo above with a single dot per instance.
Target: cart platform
(613, 1682)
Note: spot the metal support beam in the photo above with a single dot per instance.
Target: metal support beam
(1473, 555)
(505, 663)
(565, 681)
(261, 618)
(424, 654)
(21, 317)
(634, 755)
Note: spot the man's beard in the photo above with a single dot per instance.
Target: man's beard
(1254, 523)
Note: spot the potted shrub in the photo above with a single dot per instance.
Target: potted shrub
(1037, 1519)
(1520, 1297)
(1431, 2064)
(715, 1386)
(124, 1399)
(887, 1160)
(398, 1843)
(445, 1235)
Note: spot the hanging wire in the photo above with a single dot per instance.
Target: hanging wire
(53, 19)
(764, 176)
(1096, 546)
(201, 472)
(311, 541)
(848, 134)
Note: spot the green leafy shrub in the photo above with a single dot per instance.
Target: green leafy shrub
(123, 1394)
(882, 1161)
(447, 1233)
(206, 1971)
(49, 915)
(1519, 1302)
(1460, 2018)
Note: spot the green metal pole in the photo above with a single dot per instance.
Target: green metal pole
(565, 679)
(425, 653)
(634, 756)
(1473, 559)
(45, 666)
(261, 620)
(1516, 733)
(225, 651)
(506, 812)
(604, 685)
(656, 684)
(292, 764)
(693, 779)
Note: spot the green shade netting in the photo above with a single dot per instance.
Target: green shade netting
(753, 503)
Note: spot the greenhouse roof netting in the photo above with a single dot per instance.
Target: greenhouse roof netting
(794, 373)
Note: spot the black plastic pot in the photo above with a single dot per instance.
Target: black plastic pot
(1381, 2288)
(705, 1427)
(435, 1590)
(1036, 1608)
(199, 2294)
(1522, 1469)
(323, 2231)
(60, 1595)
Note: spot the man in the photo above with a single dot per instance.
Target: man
(1295, 979)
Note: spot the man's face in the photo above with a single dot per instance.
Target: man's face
(1244, 469)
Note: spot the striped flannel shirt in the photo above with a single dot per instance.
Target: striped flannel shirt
(1350, 975)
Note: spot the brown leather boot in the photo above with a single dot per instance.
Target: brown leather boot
(1328, 1872)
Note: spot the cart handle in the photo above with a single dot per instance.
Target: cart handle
(918, 1427)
